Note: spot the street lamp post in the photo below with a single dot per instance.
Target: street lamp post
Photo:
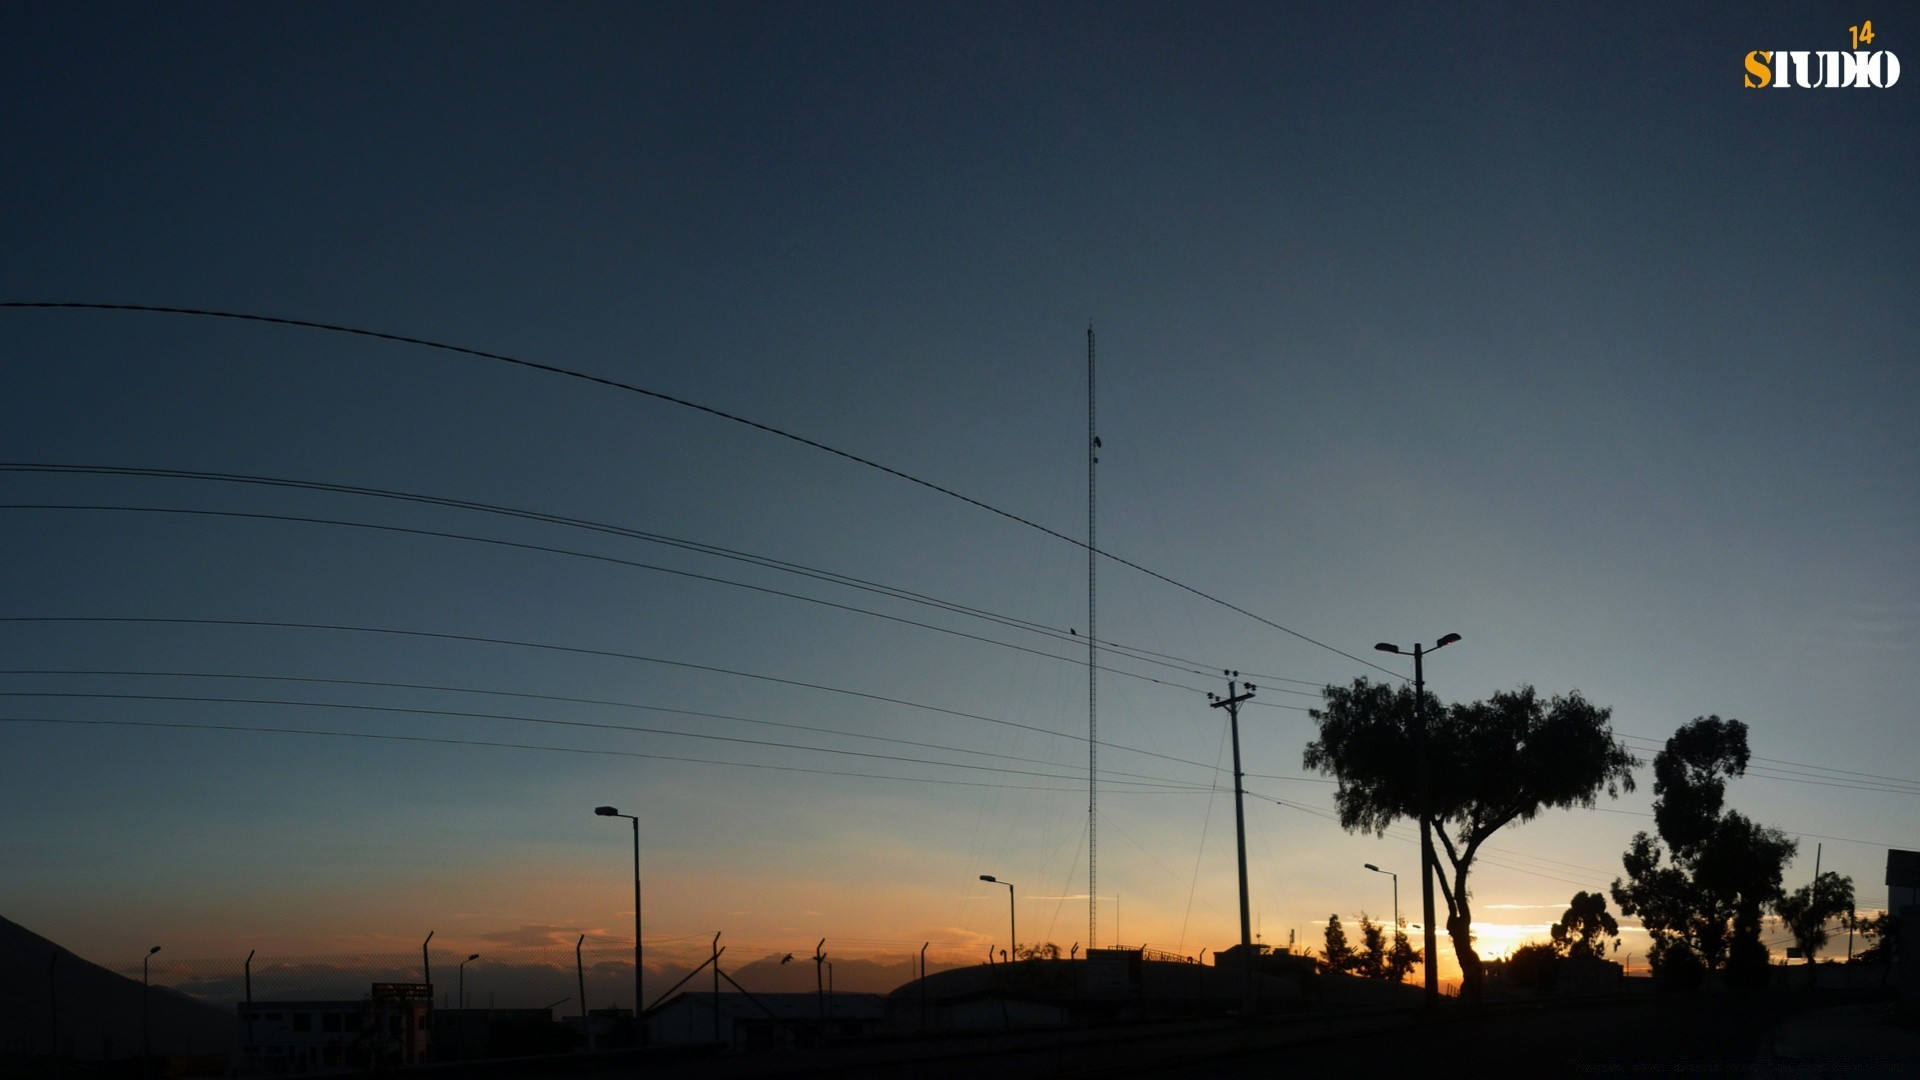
(1396, 892)
(1428, 864)
(639, 1001)
(145, 1054)
(1013, 937)
(463, 978)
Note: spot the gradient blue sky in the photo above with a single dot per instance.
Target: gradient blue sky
(1530, 324)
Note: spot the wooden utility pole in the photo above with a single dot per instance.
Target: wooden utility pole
(1231, 703)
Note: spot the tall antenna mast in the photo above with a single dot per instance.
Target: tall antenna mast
(1093, 676)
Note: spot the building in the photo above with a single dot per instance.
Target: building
(471, 1034)
(387, 1029)
(764, 1021)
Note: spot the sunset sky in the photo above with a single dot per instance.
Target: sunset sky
(1529, 324)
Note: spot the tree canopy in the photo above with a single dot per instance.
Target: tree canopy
(1701, 897)
(1585, 926)
(1491, 763)
(1338, 952)
(1807, 910)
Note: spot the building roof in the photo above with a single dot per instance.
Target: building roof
(783, 1007)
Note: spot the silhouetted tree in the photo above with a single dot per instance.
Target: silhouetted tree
(1379, 959)
(1371, 961)
(1403, 957)
(1048, 951)
(1491, 763)
(1581, 930)
(1339, 955)
(1882, 934)
(1721, 869)
(1535, 967)
(1806, 910)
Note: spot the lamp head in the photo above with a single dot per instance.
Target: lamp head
(153, 950)
(606, 811)
(1384, 647)
(1372, 867)
(1445, 641)
(990, 877)
(475, 956)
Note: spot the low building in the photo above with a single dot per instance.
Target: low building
(472, 1034)
(389, 1028)
(764, 1021)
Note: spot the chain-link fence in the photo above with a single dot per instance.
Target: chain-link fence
(171, 1005)
(503, 979)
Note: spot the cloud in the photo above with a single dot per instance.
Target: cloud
(535, 937)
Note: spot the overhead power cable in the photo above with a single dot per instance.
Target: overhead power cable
(601, 380)
(1177, 663)
(559, 698)
(572, 650)
(1130, 787)
(405, 530)
(549, 721)
(1652, 743)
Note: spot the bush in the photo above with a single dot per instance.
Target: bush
(1676, 966)
(1535, 968)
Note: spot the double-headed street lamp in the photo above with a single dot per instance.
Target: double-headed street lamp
(639, 1001)
(1427, 862)
(1013, 938)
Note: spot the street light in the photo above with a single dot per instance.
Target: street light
(1428, 865)
(463, 978)
(1396, 892)
(639, 1002)
(1013, 937)
(144, 1052)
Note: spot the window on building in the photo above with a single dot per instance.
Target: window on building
(332, 1021)
(302, 1021)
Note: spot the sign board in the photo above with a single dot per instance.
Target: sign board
(1113, 971)
(402, 991)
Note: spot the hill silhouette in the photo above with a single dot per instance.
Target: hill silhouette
(56, 1002)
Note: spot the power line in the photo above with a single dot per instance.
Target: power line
(616, 384)
(371, 683)
(1651, 742)
(249, 515)
(1809, 773)
(447, 741)
(1177, 663)
(574, 650)
(633, 729)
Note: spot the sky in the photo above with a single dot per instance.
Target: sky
(1531, 325)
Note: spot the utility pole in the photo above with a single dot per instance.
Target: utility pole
(1232, 703)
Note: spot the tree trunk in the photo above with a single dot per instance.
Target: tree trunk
(1472, 973)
